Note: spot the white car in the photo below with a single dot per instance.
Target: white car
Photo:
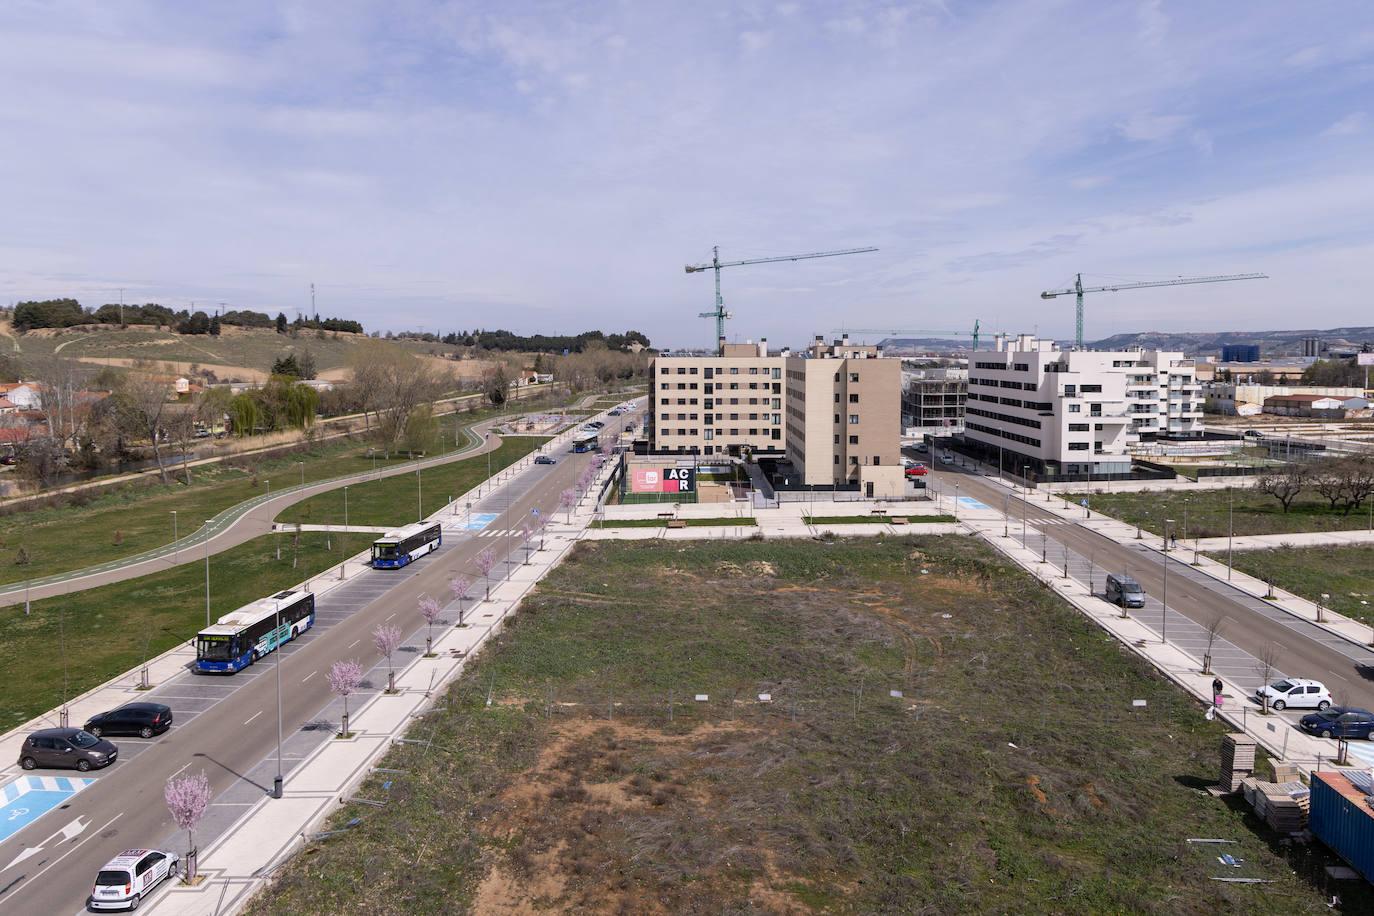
(129, 877)
(946, 459)
(1295, 693)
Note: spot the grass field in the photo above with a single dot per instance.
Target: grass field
(124, 521)
(1255, 513)
(396, 500)
(731, 520)
(104, 631)
(875, 519)
(1344, 573)
(572, 768)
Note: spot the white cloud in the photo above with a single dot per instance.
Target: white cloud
(1354, 123)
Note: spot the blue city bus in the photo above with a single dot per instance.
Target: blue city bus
(238, 639)
(586, 440)
(398, 548)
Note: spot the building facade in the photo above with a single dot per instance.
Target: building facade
(1075, 412)
(1240, 353)
(727, 404)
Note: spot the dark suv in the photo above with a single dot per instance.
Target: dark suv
(66, 747)
(1339, 722)
(142, 719)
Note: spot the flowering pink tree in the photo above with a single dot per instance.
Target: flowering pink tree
(187, 798)
(486, 561)
(459, 588)
(344, 677)
(566, 499)
(387, 639)
(429, 609)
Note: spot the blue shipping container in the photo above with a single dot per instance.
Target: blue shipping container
(1341, 819)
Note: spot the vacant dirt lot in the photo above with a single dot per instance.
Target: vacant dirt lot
(940, 736)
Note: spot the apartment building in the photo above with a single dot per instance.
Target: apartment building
(1074, 412)
(834, 411)
(844, 417)
(725, 404)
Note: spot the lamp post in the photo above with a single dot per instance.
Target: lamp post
(302, 464)
(1164, 598)
(1230, 530)
(1023, 505)
(343, 546)
(176, 548)
(207, 577)
(1321, 606)
(419, 496)
(1006, 522)
(276, 783)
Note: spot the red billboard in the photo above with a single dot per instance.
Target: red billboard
(663, 480)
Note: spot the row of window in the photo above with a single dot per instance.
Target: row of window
(711, 402)
(710, 433)
(713, 371)
(1000, 433)
(777, 417)
(1005, 418)
(709, 387)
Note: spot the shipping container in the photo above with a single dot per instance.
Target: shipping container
(1341, 817)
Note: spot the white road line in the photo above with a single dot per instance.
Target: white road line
(253, 716)
(179, 772)
(388, 617)
(64, 855)
(312, 674)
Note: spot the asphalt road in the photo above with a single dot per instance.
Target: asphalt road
(232, 735)
(1296, 647)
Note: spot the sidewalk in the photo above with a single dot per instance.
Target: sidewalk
(1301, 539)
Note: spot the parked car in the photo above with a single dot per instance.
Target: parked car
(142, 719)
(946, 459)
(922, 447)
(1252, 434)
(129, 877)
(1339, 722)
(614, 413)
(545, 459)
(1124, 591)
(66, 747)
(917, 470)
(1300, 693)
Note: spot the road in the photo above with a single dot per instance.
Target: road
(233, 736)
(1296, 647)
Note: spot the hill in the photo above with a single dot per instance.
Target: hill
(1271, 343)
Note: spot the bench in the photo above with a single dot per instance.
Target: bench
(897, 521)
(877, 512)
(667, 514)
(677, 523)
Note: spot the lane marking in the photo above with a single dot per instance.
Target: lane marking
(68, 852)
(253, 716)
(356, 641)
(312, 674)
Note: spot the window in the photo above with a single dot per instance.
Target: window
(1078, 427)
(1021, 367)
(777, 373)
(853, 419)
(876, 460)
(734, 370)
(662, 416)
(710, 372)
(663, 371)
(1092, 389)
(853, 399)
(1075, 408)
(853, 376)
(777, 418)
(681, 370)
(710, 434)
(1078, 446)
(753, 370)
(853, 440)
(837, 459)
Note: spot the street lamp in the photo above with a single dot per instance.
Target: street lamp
(1230, 529)
(207, 576)
(343, 546)
(1164, 598)
(419, 496)
(276, 783)
(302, 464)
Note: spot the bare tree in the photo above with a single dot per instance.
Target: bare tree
(141, 402)
(1284, 483)
(62, 397)
(180, 427)
(1214, 628)
(1264, 666)
(393, 381)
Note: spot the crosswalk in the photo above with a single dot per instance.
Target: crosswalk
(499, 533)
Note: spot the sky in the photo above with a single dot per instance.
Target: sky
(552, 166)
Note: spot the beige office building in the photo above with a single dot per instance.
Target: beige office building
(835, 411)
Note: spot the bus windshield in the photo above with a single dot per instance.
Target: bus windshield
(215, 648)
(385, 551)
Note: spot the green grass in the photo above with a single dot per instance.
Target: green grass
(395, 501)
(875, 519)
(1344, 573)
(744, 522)
(102, 631)
(1255, 513)
(963, 797)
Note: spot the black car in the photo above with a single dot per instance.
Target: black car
(66, 747)
(1339, 722)
(142, 719)
(545, 459)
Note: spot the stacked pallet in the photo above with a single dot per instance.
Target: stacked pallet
(1282, 772)
(1237, 760)
(1283, 806)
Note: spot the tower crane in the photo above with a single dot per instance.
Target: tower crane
(1079, 289)
(720, 314)
(894, 331)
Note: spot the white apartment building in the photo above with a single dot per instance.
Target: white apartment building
(1073, 412)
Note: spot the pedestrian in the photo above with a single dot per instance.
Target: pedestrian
(1217, 698)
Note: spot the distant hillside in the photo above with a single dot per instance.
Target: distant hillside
(899, 345)
(1270, 342)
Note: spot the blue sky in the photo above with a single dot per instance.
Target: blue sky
(551, 166)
